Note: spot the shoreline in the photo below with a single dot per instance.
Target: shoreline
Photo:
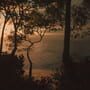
(38, 73)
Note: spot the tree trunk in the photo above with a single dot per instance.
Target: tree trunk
(66, 52)
(15, 42)
(2, 36)
(30, 62)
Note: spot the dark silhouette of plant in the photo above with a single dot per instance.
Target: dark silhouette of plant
(5, 12)
(86, 4)
(80, 18)
(8, 10)
(66, 52)
(30, 22)
(11, 68)
(17, 15)
(23, 19)
(38, 22)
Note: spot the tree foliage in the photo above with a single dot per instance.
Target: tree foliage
(26, 19)
(80, 19)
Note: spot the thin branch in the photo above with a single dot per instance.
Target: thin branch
(41, 35)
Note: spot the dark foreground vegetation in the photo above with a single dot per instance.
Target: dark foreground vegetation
(12, 76)
(73, 76)
(76, 76)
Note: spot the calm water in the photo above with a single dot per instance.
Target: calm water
(47, 54)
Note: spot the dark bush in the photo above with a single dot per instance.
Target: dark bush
(11, 70)
(11, 76)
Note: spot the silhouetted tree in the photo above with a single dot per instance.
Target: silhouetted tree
(17, 15)
(4, 9)
(80, 18)
(86, 3)
(66, 52)
(8, 10)
(39, 21)
(29, 22)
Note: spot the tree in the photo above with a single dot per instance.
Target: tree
(86, 3)
(35, 19)
(5, 12)
(80, 17)
(66, 52)
(8, 10)
(39, 22)
(25, 20)
(29, 22)
(17, 17)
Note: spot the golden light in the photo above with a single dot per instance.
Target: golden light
(8, 28)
